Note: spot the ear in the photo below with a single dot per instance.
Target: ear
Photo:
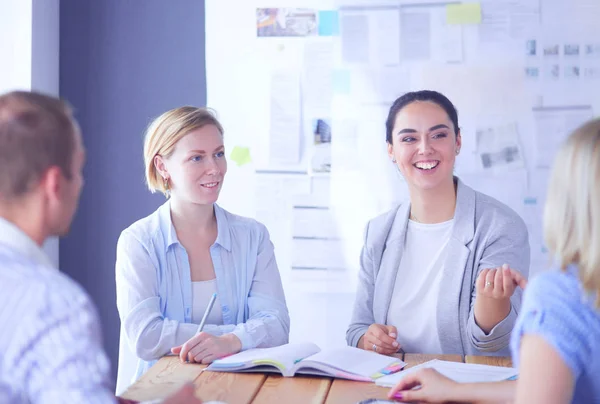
(390, 150)
(51, 183)
(161, 167)
(458, 141)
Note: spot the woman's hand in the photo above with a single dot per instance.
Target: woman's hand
(381, 339)
(432, 387)
(494, 287)
(499, 283)
(205, 348)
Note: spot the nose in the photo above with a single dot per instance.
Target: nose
(424, 145)
(212, 167)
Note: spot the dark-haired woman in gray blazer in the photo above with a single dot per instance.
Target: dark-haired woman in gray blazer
(441, 273)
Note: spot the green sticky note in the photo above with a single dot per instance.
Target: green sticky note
(241, 155)
(464, 13)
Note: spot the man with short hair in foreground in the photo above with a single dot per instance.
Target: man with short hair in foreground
(50, 345)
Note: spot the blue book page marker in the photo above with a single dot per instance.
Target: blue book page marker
(329, 23)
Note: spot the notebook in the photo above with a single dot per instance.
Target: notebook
(308, 359)
(459, 372)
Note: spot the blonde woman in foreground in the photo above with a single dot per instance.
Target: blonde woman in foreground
(556, 340)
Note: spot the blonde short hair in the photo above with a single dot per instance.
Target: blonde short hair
(572, 213)
(165, 131)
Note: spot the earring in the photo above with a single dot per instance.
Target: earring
(166, 183)
(457, 151)
(393, 159)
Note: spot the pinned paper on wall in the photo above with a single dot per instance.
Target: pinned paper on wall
(240, 155)
(465, 13)
(329, 23)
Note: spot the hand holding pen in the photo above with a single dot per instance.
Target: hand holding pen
(205, 348)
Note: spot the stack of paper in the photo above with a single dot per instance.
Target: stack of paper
(459, 372)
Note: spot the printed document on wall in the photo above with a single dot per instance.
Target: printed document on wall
(317, 84)
(553, 126)
(415, 34)
(285, 132)
(499, 147)
(355, 38)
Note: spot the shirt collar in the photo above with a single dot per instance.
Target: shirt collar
(16, 239)
(223, 235)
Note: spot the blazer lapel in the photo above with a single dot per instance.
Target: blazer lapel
(457, 257)
(390, 262)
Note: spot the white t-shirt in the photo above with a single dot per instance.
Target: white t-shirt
(414, 298)
(202, 291)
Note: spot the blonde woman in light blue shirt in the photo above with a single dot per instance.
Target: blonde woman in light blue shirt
(170, 263)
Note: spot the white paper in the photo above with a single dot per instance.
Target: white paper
(317, 82)
(415, 34)
(524, 18)
(386, 36)
(499, 147)
(505, 20)
(285, 129)
(287, 354)
(459, 372)
(446, 40)
(355, 38)
(354, 360)
(553, 126)
(495, 22)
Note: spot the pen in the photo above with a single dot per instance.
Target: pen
(211, 303)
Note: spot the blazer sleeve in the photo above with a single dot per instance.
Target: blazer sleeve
(508, 245)
(362, 316)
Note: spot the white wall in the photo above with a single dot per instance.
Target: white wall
(487, 83)
(29, 45)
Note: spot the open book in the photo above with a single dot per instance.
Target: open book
(307, 358)
(459, 372)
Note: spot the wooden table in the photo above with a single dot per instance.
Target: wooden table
(243, 388)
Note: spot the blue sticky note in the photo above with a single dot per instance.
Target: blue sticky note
(329, 24)
(341, 81)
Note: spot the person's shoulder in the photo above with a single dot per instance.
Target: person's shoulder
(44, 288)
(145, 228)
(554, 287)
(378, 228)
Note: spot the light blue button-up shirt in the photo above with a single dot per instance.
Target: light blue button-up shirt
(154, 288)
(50, 344)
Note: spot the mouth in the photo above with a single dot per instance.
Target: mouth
(426, 165)
(210, 185)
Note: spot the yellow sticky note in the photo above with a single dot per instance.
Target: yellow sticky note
(241, 155)
(464, 13)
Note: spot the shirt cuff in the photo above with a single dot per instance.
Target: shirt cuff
(245, 339)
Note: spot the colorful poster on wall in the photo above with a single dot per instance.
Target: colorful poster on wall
(286, 22)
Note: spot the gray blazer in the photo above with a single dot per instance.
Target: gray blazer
(485, 234)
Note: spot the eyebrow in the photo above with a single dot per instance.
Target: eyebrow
(436, 127)
(203, 152)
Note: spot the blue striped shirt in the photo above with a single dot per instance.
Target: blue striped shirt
(556, 307)
(154, 289)
(50, 345)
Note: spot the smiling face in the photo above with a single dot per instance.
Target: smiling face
(424, 144)
(197, 166)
